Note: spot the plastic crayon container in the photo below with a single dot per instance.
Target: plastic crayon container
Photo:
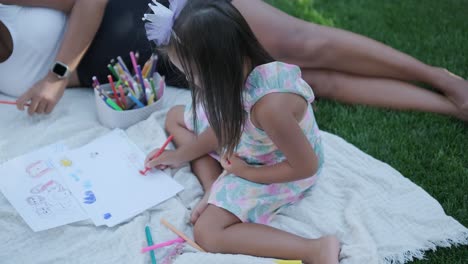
(132, 113)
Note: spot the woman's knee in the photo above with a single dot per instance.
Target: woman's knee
(323, 82)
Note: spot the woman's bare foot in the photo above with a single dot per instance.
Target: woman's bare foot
(325, 250)
(199, 208)
(455, 88)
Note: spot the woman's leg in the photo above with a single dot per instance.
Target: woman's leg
(313, 46)
(219, 231)
(388, 93)
(205, 168)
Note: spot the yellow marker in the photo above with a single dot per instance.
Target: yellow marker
(288, 261)
(151, 99)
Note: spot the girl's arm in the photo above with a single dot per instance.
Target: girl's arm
(199, 146)
(276, 115)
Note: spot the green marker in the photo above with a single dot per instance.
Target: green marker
(113, 105)
(153, 88)
(112, 70)
(149, 239)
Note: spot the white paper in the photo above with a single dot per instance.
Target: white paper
(36, 189)
(104, 177)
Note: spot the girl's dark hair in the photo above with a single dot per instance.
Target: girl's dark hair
(214, 42)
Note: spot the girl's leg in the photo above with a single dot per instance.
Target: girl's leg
(313, 46)
(389, 93)
(219, 231)
(205, 168)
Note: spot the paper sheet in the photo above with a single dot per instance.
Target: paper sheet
(104, 177)
(34, 186)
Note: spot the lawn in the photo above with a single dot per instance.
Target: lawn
(431, 150)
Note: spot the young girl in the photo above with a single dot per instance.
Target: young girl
(250, 116)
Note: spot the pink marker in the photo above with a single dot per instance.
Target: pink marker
(143, 172)
(10, 103)
(134, 63)
(165, 244)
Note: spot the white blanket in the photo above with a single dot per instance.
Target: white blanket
(379, 215)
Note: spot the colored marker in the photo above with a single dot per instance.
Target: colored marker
(122, 64)
(134, 62)
(161, 88)
(112, 70)
(153, 88)
(122, 96)
(161, 150)
(111, 82)
(153, 66)
(161, 245)
(135, 100)
(111, 103)
(10, 103)
(182, 235)
(279, 261)
(149, 239)
(142, 81)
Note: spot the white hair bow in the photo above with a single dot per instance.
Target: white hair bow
(159, 24)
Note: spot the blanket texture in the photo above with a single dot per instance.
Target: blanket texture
(379, 215)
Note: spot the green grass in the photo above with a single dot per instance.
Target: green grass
(431, 150)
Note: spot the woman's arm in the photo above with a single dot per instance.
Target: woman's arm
(61, 5)
(85, 17)
(276, 114)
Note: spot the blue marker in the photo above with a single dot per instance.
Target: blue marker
(136, 101)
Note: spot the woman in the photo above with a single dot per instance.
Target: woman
(339, 65)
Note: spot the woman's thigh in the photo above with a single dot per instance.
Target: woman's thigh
(285, 37)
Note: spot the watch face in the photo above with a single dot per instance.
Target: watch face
(59, 69)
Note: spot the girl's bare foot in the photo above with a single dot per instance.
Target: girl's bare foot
(199, 208)
(326, 250)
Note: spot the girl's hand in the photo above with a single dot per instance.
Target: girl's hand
(235, 165)
(169, 158)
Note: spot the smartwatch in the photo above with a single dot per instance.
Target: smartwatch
(60, 69)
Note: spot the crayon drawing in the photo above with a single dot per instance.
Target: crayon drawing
(39, 169)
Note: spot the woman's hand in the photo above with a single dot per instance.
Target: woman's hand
(235, 165)
(44, 95)
(169, 158)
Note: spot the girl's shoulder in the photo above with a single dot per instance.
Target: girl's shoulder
(275, 77)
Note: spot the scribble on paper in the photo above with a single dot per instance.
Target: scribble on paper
(55, 194)
(39, 168)
(87, 185)
(39, 205)
(66, 163)
(89, 198)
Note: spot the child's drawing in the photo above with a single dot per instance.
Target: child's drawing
(66, 163)
(87, 185)
(55, 194)
(89, 198)
(107, 216)
(40, 205)
(74, 176)
(39, 168)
